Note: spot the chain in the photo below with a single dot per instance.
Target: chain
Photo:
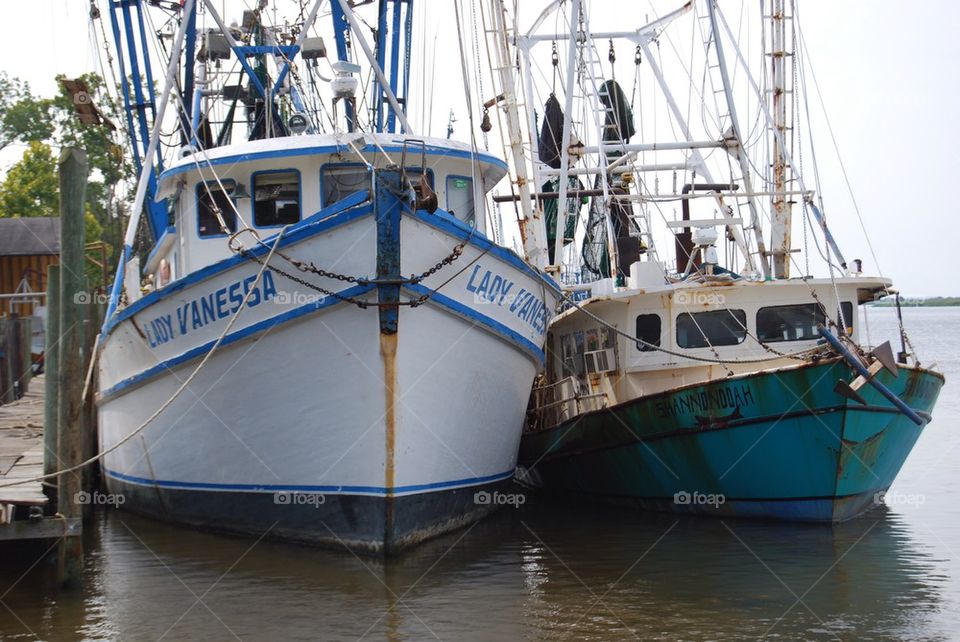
(313, 269)
(309, 267)
(453, 256)
(360, 303)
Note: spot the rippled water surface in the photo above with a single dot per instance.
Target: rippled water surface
(548, 570)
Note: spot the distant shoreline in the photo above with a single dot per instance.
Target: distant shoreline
(919, 302)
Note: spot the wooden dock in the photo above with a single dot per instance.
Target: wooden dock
(24, 511)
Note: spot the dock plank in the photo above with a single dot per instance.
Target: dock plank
(21, 442)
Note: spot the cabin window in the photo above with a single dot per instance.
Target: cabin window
(847, 317)
(337, 182)
(211, 200)
(790, 322)
(276, 198)
(572, 349)
(460, 198)
(713, 328)
(648, 332)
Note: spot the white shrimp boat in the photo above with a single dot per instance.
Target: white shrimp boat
(359, 353)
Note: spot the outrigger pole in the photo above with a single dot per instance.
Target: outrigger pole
(788, 159)
(140, 103)
(387, 87)
(147, 179)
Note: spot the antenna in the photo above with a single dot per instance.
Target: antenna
(450, 121)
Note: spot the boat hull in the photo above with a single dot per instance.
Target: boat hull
(312, 421)
(775, 445)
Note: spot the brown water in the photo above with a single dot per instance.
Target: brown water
(545, 571)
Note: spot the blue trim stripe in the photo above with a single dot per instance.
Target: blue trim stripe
(444, 301)
(333, 489)
(233, 337)
(453, 226)
(171, 230)
(325, 220)
(324, 149)
(481, 319)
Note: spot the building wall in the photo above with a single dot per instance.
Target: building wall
(13, 269)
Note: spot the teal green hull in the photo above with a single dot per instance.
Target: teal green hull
(777, 444)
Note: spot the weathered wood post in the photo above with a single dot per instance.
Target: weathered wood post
(25, 327)
(93, 321)
(73, 313)
(13, 359)
(51, 368)
(8, 388)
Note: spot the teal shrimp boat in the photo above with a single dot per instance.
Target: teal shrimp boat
(778, 444)
(734, 378)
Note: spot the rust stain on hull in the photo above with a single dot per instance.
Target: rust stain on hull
(388, 354)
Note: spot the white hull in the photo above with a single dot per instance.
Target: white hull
(307, 397)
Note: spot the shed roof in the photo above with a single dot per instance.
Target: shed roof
(29, 236)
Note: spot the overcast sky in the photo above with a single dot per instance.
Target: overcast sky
(887, 70)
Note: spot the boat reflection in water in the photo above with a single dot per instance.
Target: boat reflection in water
(544, 571)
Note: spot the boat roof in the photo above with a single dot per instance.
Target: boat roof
(873, 287)
(366, 143)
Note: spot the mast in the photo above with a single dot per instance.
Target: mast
(139, 98)
(575, 19)
(390, 30)
(532, 228)
(738, 151)
(343, 15)
(780, 204)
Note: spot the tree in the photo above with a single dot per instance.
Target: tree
(30, 187)
(24, 118)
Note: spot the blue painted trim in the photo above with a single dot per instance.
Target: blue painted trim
(171, 230)
(233, 337)
(124, 84)
(381, 62)
(337, 489)
(286, 69)
(253, 196)
(125, 252)
(394, 62)
(326, 149)
(195, 117)
(340, 213)
(190, 49)
(472, 315)
(493, 325)
(455, 227)
(388, 207)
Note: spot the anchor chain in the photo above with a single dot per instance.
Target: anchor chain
(293, 277)
(309, 267)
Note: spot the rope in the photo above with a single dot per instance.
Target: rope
(254, 287)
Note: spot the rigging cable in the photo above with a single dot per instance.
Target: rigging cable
(183, 386)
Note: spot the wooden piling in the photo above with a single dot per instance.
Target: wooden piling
(11, 346)
(70, 415)
(93, 321)
(51, 366)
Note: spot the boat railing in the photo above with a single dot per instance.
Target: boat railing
(556, 402)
